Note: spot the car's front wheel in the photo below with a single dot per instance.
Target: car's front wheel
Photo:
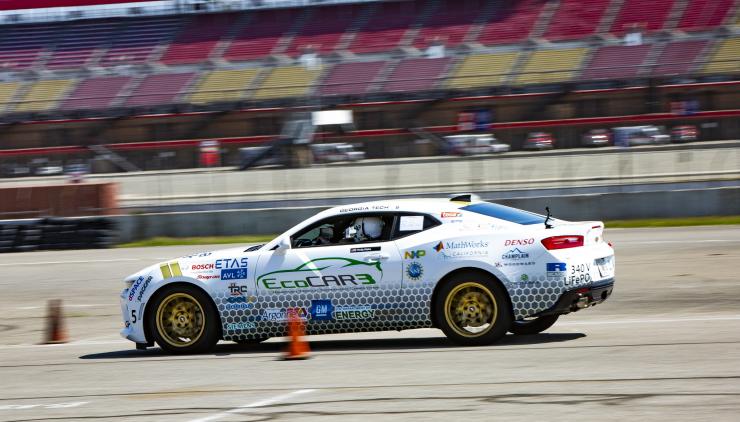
(472, 309)
(183, 320)
(533, 325)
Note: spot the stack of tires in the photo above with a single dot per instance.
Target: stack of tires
(55, 233)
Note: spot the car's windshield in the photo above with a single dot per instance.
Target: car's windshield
(503, 212)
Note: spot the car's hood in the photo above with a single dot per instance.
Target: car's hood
(202, 265)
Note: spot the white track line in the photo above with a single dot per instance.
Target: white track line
(653, 320)
(90, 261)
(655, 242)
(73, 305)
(260, 403)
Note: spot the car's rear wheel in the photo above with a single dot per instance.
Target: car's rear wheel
(472, 309)
(533, 325)
(183, 320)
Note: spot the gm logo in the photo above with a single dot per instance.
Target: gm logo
(414, 254)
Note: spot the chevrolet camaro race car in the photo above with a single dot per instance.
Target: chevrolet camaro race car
(474, 269)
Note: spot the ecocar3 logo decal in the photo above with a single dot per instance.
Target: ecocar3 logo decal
(335, 272)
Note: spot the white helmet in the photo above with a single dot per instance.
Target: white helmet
(364, 228)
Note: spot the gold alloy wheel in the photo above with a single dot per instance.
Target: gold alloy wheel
(180, 320)
(470, 309)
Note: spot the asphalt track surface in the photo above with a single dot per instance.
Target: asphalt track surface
(666, 346)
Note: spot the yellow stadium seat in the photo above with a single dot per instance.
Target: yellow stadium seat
(483, 70)
(726, 57)
(7, 91)
(293, 81)
(223, 85)
(546, 66)
(44, 95)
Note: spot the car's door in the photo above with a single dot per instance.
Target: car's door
(416, 247)
(322, 281)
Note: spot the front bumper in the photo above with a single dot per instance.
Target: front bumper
(581, 297)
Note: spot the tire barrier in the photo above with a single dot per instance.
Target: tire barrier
(56, 233)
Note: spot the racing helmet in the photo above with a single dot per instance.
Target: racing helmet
(364, 228)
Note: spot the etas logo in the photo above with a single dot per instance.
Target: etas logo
(231, 263)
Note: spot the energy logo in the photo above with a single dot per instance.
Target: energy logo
(414, 271)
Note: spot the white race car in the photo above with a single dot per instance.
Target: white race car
(471, 268)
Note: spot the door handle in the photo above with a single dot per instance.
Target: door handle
(376, 257)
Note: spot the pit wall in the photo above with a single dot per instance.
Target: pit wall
(608, 206)
(62, 200)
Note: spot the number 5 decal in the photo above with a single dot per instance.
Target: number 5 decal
(133, 316)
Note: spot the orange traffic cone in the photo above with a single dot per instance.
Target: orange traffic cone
(298, 347)
(56, 332)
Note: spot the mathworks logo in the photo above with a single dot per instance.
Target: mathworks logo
(462, 248)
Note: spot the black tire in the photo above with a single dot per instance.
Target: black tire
(204, 315)
(533, 326)
(491, 305)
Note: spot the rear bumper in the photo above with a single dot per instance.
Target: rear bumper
(582, 297)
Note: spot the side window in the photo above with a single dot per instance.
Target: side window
(345, 229)
(408, 224)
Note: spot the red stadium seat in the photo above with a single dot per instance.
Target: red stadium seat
(703, 14)
(387, 26)
(95, 93)
(198, 39)
(261, 34)
(324, 29)
(138, 40)
(159, 89)
(616, 62)
(646, 15)
(512, 22)
(678, 58)
(351, 78)
(417, 75)
(575, 19)
(450, 23)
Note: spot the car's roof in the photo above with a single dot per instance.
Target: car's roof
(425, 205)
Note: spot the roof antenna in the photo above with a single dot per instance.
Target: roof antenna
(548, 226)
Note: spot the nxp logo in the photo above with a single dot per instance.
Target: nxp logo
(414, 254)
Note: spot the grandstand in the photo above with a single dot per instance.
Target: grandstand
(369, 51)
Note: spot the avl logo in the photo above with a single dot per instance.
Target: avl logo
(414, 254)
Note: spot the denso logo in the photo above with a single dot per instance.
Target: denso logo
(202, 266)
(519, 242)
(231, 263)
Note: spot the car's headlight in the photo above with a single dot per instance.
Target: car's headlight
(129, 282)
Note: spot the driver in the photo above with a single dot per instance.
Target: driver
(364, 229)
(325, 236)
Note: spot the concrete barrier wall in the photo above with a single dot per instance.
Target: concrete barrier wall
(609, 206)
(61, 200)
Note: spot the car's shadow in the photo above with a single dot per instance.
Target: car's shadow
(384, 345)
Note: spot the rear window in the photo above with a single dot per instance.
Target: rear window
(503, 212)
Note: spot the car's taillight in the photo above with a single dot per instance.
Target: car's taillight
(562, 242)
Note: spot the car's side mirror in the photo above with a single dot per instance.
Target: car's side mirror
(283, 244)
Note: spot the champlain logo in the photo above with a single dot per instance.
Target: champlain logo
(515, 254)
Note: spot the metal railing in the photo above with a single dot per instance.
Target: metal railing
(154, 8)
